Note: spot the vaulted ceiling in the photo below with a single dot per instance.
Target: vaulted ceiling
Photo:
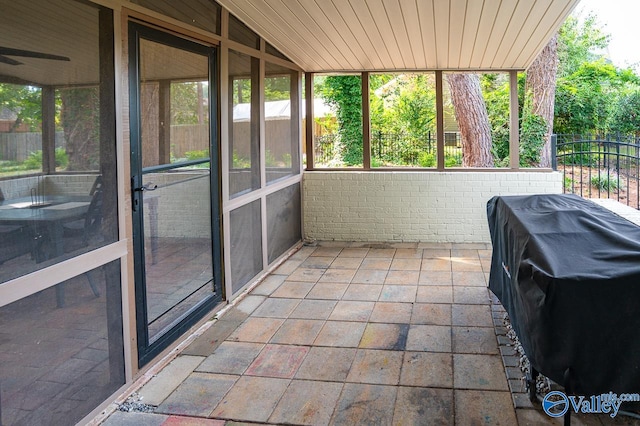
(372, 35)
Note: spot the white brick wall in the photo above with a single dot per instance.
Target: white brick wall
(410, 206)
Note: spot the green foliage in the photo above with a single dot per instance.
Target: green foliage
(344, 93)
(196, 155)
(427, 159)
(34, 160)
(454, 160)
(185, 97)
(577, 42)
(586, 97)
(626, 114)
(240, 162)
(495, 91)
(25, 102)
(588, 86)
(582, 154)
(404, 104)
(568, 184)
(277, 88)
(533, 130)
(606, 181)
(62, 159)
(270, 159)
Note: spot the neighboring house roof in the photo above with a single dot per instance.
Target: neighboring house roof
(384, 35)
(275, 110)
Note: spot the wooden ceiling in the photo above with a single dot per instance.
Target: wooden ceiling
(318, 35)
(396, 35)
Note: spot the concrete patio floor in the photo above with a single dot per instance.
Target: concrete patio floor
(353, 333)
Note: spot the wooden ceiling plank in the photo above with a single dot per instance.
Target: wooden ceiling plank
(371, 55)
(485, 27)
(367, 21)
(352, 33)
(442, 16)
(529, 24)
(398, 22)
(500, 25)
(518, 19)
(412, 24)
(320, 43)
(285, 35)
(457, 19)
(332, 29)
(427, 25)
(552, 20)
(383, 27)
(471, 25)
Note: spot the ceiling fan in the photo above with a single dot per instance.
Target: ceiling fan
(7, 51)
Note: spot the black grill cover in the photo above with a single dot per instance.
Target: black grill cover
(567, 271)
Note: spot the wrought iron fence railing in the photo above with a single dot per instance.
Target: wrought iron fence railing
(393, 149)
(599, 166)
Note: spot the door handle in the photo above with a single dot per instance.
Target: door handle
(135, 190)
(147, 187)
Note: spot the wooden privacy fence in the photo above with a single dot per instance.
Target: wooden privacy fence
(18, 146)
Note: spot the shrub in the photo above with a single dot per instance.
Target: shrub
(427, 159)
(33, 161)
(568, 184)
(62, 159)
(606, 181)
(196, 155)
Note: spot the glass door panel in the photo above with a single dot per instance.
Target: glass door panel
(174, 199)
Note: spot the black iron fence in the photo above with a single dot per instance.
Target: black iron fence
(393, 149)
(599, 166)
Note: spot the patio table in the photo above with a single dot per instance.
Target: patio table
(45, 217)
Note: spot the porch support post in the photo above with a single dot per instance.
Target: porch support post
(366, 122)
(308, 85)
(514, 128)
(164, 131)
(439, 122)
(294, 109)
(48, 130)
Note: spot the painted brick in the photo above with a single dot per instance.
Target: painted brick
(410, 206)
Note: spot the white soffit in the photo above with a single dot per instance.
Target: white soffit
(375, 35)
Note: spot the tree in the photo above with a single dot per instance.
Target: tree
(80, 116)
(25, 102)
(588, 85)
(540, 87)
(626, 115)
(473, 119)
(344, 93)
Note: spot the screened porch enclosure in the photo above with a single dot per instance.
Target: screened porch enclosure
(62, 339)
(152, 169)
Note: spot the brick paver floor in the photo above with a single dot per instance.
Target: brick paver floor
(348, 334)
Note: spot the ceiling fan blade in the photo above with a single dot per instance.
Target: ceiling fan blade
(9, 61)
(30, 54)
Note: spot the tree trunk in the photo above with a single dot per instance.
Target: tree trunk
(540, 84)
(473, 120)
(80, 121)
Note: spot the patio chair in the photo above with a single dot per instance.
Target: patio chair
(15, 240)
(89, 226)
(80, 232)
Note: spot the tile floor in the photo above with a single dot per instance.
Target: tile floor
(351, 334)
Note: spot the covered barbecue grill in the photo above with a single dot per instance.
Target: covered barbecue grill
(567, 271)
